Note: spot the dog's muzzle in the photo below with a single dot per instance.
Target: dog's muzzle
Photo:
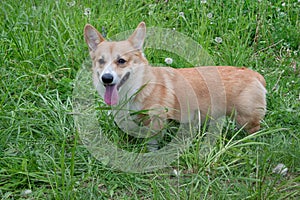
(107, 78)
(111, 94)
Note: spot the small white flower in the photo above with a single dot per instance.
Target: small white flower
(87, 11)
(280, 169)
(203, 1)
(71, 3)
(283, 4)
(209, 15)
(181, 14)
(169, 61)
(218, 40)
(282, 14)
(26, 192)
(177, 173)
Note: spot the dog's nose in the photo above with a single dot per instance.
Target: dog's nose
(107, 78)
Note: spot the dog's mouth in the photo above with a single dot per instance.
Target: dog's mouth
(111, 96)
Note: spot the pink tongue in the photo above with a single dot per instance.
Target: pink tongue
(111, 96)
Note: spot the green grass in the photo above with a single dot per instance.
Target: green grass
(42, 49)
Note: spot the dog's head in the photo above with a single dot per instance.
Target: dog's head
(114, 62)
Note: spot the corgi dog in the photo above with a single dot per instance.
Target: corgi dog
(121, 73)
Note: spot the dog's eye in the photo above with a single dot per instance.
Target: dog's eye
(121, 61)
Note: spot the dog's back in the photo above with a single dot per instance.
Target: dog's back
(215, 91)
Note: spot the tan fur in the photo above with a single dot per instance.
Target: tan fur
(178, 93)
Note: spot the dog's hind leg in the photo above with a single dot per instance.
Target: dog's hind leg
(251, 107)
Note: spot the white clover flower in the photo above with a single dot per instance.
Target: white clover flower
(169, 61)
(218, 40)
(209, 15)
(71, 3)
(176, 173)
(26, 192)
(87, 11)
(280, 169)
(282, 14)
(181, 14)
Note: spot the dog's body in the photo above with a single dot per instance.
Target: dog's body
(120, 72)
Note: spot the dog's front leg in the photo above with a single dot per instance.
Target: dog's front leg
(157, 117)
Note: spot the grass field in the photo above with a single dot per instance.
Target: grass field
(42, 48)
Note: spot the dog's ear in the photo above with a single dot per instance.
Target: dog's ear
(138, 36)
(92, 37)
